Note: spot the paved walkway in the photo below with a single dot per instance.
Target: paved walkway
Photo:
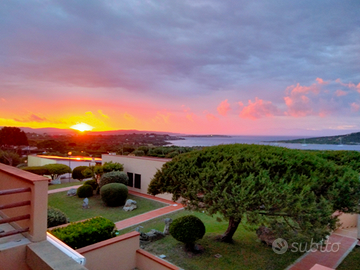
(171, 207)
(338, 247)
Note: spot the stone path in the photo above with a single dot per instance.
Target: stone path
(339, 246)
(171, 207)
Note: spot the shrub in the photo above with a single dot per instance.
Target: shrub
(85, 191)
(139, 153)
(77, 172)
(56, 217)
(187, 229)
(81, 234)
(114, 194)
(91, 183)
(113, 177)
(40, 170)
(172, 154)
(112, 166)
(57, 169)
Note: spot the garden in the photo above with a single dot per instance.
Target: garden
(246, 251)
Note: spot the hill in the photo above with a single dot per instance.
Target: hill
(349, 139)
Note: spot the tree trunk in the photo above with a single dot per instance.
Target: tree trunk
(233, 225)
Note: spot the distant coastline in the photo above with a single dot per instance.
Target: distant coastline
(347, 139)
(206, 136)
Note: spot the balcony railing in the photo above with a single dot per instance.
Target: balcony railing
(23, 203)
(14, 205)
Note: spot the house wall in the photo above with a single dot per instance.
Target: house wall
(72, 162)
(115, 253)
(144, 166)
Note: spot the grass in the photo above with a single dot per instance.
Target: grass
(72, 207)
(246, 253)
(352, 261)
(65, 185)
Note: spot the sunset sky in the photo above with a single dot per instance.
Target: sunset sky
(225, 67)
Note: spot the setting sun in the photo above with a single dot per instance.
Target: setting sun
(82, 127)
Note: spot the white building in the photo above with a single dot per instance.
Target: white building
(140, 170)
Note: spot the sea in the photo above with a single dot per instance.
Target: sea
(265, 140)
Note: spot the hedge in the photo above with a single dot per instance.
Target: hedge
(81, 234)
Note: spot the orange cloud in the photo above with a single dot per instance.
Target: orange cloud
(340, 93)
(223, 107)
(355, 107)
(298, 89)
(190, 117)
(349, 85)
(211, 117)
(38, 119)
(321, 81)
(102, 114)
(298, 101)
(162, 117)
(258, 109)
(129, 117)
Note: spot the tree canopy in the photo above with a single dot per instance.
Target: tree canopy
(54, 170)
(293, 192)
(12, 136)
(57, 169)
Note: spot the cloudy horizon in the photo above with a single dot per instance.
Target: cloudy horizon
(224, 67)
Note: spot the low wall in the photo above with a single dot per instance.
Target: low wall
(14, 259)
(115, 253)
(147, 261)
(348, 220)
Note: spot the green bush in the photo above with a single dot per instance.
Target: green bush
(112, 166)
(139, 153)
(113, 177)
(85, 191)
(77, 172)
(40, 170)
(92, 183)
(81, 234)
(187, 229)
(56, 217)
(114, 194)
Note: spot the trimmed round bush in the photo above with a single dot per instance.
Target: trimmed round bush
(85, 191)
(56, 217)
(91, 183)
(187, 229)
(77, 172)
(114, 194)
(113, 177)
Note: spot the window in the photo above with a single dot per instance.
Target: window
(131, 179)
(137, 180)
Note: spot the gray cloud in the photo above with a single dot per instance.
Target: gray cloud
(179, 47)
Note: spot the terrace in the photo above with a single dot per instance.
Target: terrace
(25, 245)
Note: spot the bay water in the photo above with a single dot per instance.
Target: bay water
(266, 140)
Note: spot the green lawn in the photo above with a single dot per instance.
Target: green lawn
(72, 207)
(246, 253)
(352, 261)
